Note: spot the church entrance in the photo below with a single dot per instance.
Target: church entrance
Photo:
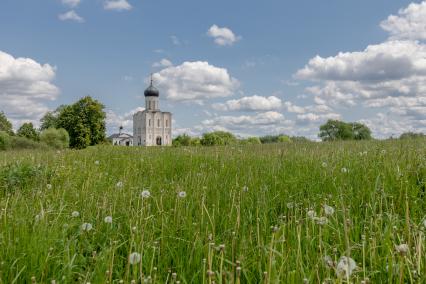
(159, 141)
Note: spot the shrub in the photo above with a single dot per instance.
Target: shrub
(253, 140)
(218, 138)
(4, 140)
(25, 143)
(284, 139)
(56, 138)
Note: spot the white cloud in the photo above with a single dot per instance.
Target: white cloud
(163, 63)
(71, 3)
(117, 5)
(114, 120)
(253, 103)
(25, 86)
(410, 23)
(222, 36)
(195, 82)
(71, 16)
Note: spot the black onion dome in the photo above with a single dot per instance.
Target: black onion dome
(151, 91)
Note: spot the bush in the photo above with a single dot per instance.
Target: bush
(253, 140)
(284, 139)
(56, 138)
(25, 143)
(4, 140)
(218, 138)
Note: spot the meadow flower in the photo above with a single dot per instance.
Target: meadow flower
(245, 188)
(108, 219)
(49, 186)
(96, 162)
(290, 205)
(344, 170)
(145, 194)
(329, 261)
(119, 184)
(86, 227)
(345, 267)
(75, 214)
(321, 220)
(328, 210)
(402, 249)
(324, 164)
(311, 214)
(182, 194)
(134, 258)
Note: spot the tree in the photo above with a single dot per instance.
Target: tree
(4, 140)
(56, 138)
(218, 138)
(50, 119)
(411, 135)
(182, 140)
(28, 131)
(253, 140)
(284, 139)
(339, 130)
(5, 124)
(84, 121)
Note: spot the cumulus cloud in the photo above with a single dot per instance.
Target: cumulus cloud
(410, 23)
(253, 103)
(115, 120)
(25, 87)
(71, 16)
(195, 82)
(163, 63)
(117, 5)
(222, 36)
(71, 3)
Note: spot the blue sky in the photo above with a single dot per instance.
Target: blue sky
(249, 67)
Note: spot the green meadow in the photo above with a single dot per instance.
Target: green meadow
(341, 212)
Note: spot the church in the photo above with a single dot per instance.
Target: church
(152, 127)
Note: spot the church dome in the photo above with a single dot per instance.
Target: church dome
(151, 91)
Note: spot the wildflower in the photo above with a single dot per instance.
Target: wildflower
(145, 194)
(134, 258)
(321, 220)
(119, 184)
(108, 219)
(344, 170)
(329, 261)
(182, 194)
(290, 205)
(324, 164)
(345, 267)
(86, 227)
(245, 188)
(402, 249)
(96, 162)
(38, 217)
(49, 186)
(311, 214)
(328, 210)
(75, 214)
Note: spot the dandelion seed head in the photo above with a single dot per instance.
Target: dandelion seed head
(75, 214)
(97, 162)
(108, 219)
(345, 267)
(311, 214)
(182, 194)
(86, 227)
(328, 210)
(328, 261)
(344, 170)
(245, 188)
(145, 194)
(402, 249)
(49, 186)
(321, 220)
(324, 164)
(290, 205)
(119, 184)
(134, 258)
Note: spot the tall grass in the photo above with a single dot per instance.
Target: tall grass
(244, 218)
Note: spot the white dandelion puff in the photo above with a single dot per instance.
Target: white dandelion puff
(75, 214)
(324, 164)
(245, 188)
(329, 261)
(290, 205)
(49, 186)
(321, 220)
(344, 170)
(134, 258)
(328, 210)
(182, 194)
(86, 227)
(108, 219)
(311, 214)
(97, 162)
(145, 194)
(345, 267)
(119, 184)
(402, 249)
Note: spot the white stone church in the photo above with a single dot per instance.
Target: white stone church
(152, 127)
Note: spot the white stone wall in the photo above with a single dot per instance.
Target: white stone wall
(148, 126)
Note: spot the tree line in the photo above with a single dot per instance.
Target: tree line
(82, 124)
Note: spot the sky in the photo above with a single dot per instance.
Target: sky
(249, 67)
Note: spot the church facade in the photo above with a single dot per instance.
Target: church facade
(152, 127)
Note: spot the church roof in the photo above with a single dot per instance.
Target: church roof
(151, 91)
(120, 135)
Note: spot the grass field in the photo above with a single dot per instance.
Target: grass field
(282, 213)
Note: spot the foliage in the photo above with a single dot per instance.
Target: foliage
(253, 140)
(28, 131)
(412, 135)
(182, 140)
(5, 124)
(20, 143)
(5, 141)
(218, 138)
(56, 138)
(246, 210)
(84, 121)
(284, 139)
(339, 130)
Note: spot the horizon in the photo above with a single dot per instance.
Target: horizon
(280, 68)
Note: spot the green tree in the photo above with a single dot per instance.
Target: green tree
(5, 142)
(284, 139)
(218, 138)
(411, 135)
(84, 121)
(50, 119)
(253, 140)
(56, 138)
(335, 130)
(5, 124)
(360, 131)
(28, 131)
(182, 140)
